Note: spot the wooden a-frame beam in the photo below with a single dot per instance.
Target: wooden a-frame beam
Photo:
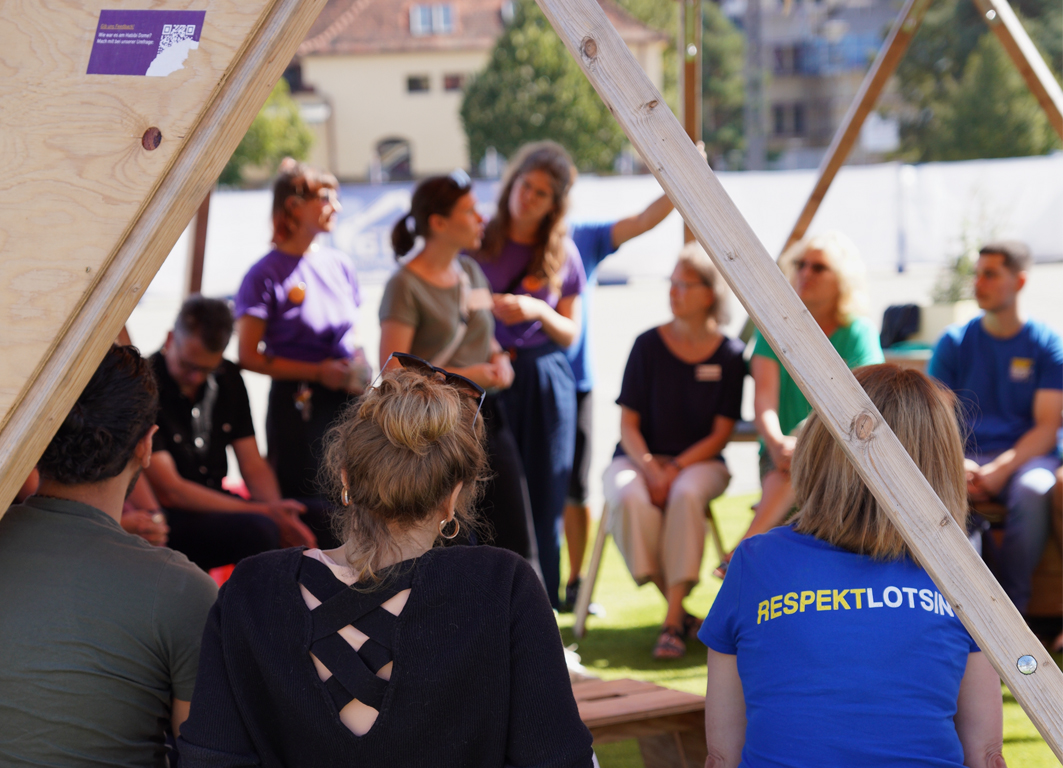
(889, 56)
(88, 214)
(930, 531)
(1012, 35)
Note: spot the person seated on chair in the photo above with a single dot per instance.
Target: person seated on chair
(829, 277)
(100, 630)
(389, 650)
(829, 645)
(203, 409)
(680, 398)
(1008, 374)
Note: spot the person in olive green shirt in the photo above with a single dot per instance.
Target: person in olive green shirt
(101, 630)
(828, 275)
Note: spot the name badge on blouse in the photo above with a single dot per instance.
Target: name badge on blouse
(478, 298)
(1021, 368)
(297, 293)
(708, 372)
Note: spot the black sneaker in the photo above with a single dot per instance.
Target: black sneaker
(568, 605)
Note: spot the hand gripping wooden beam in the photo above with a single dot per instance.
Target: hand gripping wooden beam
(881, 460)
(101, 174)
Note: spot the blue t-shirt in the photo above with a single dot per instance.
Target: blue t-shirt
(995, 379)
(844, 660)
(678, 402)
(595, 242)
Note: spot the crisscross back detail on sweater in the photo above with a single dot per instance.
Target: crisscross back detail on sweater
(353, 672)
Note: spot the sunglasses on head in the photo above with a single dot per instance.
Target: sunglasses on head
(460, 178)
(463, 385)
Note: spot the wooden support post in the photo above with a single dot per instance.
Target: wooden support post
(103, 174)
(908, 21)
(1012, 35)
(933, 536)
(199, 248)
(691, 35)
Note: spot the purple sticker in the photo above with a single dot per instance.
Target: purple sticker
(152, 43)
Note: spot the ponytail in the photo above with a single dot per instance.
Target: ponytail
(402, 239)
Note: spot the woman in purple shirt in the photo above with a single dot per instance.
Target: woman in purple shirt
(296, 312)
(536, 274)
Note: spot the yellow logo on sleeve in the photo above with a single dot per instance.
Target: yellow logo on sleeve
(852, 599)
(1021, 369)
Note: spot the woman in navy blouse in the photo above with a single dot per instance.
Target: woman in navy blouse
(680, 399)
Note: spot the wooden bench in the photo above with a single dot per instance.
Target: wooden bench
(669, 725)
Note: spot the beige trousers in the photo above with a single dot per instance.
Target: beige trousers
(669, 543)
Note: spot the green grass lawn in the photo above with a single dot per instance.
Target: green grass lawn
(620, 644)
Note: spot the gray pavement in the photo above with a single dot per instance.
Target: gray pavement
(621, 312)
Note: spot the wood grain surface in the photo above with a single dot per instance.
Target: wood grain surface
(87, 214)
(935, 539)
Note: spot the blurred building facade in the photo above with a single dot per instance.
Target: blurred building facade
(381, 81)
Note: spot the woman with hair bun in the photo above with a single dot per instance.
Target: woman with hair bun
(296, 314)
(829, 277)
(388, 650)
(437, 305)
(829, 645)
(536, 274)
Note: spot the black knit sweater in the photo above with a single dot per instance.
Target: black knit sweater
(479, 674)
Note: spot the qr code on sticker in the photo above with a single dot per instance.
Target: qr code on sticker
(172, 34)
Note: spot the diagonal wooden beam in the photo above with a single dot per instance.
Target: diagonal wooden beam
(933, 536)
(1012, 35)
(89, 208)
(892, 51)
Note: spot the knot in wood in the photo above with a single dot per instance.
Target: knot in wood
(863, 426)
(151, 139)
(589, 47)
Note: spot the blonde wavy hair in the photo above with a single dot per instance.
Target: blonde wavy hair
(402, 449)
(834, 504)
(843, 257)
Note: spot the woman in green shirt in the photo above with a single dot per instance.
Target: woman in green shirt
(830, 278)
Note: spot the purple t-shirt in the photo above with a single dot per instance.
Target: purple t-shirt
(310, 303)
(507, 267)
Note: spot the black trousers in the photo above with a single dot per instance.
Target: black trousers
(210, 539)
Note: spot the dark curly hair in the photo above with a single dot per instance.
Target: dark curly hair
(116, 409)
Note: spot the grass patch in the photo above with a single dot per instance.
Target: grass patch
(620, 644)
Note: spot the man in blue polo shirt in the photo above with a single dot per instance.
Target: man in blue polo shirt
(595, 242)
(1008, 374)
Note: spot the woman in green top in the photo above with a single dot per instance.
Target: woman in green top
(437, 306)
(829, 276)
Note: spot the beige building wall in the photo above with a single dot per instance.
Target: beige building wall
(369, 102)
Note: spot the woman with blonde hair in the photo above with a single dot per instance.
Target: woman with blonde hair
(537, 276)
(829, 277)
(828, 644)
(680, 398)
(388, 650)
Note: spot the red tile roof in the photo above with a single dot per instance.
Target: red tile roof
(383, 26)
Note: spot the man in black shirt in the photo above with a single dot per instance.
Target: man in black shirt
(203, 409)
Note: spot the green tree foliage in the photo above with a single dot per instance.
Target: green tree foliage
(277, 132)
(723, 88)
(532, 89)
(964, 96)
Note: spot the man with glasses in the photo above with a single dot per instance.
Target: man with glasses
(204, 409)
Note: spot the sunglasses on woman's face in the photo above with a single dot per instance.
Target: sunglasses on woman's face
(463, 385)
(816, 267)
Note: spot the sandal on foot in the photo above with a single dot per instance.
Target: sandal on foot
(691, 625)
(670, 644)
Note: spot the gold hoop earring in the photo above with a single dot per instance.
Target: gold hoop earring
(345, 497)
(443, 524)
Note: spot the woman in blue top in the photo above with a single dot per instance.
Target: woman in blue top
(536, 275)
(828, 644)
(679, 401)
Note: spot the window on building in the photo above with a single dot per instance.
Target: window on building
(453, 82)
(779, 58)
(799, 59)
(799, 120)
(394, 157)
(778, 113)
(436, 19)
(417, 84)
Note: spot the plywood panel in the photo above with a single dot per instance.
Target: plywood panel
(87, 213)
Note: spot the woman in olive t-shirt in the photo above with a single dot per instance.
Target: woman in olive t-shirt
(437, 306)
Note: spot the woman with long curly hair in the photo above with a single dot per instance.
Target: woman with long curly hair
(536, 274)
